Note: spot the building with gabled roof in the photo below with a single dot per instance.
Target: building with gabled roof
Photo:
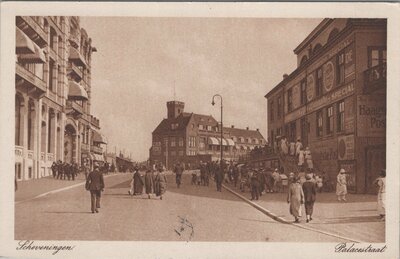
(190, 138)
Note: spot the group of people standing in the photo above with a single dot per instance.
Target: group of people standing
(62, 170)
(153, 181)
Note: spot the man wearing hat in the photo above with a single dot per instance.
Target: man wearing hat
(310, 192)
(255, 185)
(381, 183)
(95, 184)
(341, 185)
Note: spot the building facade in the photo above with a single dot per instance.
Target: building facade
(190, 138)
(335, 100)
(52, 100)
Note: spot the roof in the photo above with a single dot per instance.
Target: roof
(204, 119)
(317, 30)
(245, 133)
(182, 120)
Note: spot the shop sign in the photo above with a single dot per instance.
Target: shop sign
(328, 75)
(331, 97)
(346, 147)
(310, 87)
(371, 115)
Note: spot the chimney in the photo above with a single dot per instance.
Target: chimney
(285, 76)
(247, 128)
(232, 126)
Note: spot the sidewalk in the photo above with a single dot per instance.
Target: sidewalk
(357, 218)
(31, 188)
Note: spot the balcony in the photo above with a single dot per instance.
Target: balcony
(19, 151)
(375, 78)
(94, 121)
(31, 28)
(74, 109)
(75, 72)
(96, 149)
(27, 79)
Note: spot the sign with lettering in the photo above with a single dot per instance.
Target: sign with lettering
(310, 87)
(371, 115)
(328, 75)
(331, 97)
(346, 147)
(295, 114)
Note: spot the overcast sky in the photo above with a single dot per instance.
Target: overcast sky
(140, 60)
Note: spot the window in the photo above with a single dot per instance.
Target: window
(181, 142)
(180, 152)
(192, 141)
(191, 153)
(173, 142)
(272, 111)
(18, 104)
(202, 143)
(340, 68)
(53, 38)
(279, 131)
(303, 92)
(329, 120)
(201, 127)
(304, 130)
(279, 110)
(319, 83)
(173, 153)
(174, 126)
(209, 128)
(340, 116)
(319, 123)
(290, 99)
(51, 75)
(376, 56)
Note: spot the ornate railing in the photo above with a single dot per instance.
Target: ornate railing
(375, 78)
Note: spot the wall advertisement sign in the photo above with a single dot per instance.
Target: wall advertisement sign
(346, 149)
(371, 115)
(328, 75)
(349, 64)
(310, 87)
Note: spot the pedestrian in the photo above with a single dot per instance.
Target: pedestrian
(381, 183)
(299, 146)
(178, 170)
(235, 175)
(255, 185)
(341, 185)
(269, 181)
(137, 182)
(295, 198)
(261, 183)
(310, 192)
(319, 182)
(219, 178)
(160, 183)
(149, 182)
(95, 184)
(60, 170)
(308, 158)
(54, 169)
(277, 182)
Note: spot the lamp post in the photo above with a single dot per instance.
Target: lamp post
(220, 144)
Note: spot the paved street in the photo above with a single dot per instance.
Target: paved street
(66, 215)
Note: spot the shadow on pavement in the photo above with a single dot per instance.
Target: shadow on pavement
(347, 220)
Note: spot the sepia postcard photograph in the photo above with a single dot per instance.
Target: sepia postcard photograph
(203, 130)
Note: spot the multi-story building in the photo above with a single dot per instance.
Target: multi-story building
(52, 100)
(191, 138)
(335, 100)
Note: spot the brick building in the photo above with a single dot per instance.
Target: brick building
(190, 138)
(53, 91)
(335, 100)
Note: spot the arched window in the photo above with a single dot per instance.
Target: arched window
(317, 48)
(333, 34)
(303, 60)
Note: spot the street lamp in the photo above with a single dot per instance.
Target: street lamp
(213, 103)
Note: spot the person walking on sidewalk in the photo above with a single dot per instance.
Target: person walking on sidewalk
(255, 185)
(95, 184)
(219, 176)
(295, 198)
(310, 192)
(178, 170)
(341, 185)
(160, 183)
(137, 182)
(54, 169)
(381, 183)
(149, 182)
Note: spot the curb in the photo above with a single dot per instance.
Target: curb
(284, 221)
(58, 190)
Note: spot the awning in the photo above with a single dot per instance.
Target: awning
(76, 57)
(230, 142)
(76, 91)
(97, 137)
(213, 141)
(23, 44)
(35, 58)
(224, 143)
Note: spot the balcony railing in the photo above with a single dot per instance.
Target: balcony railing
(375, 78)
(74, 109)
(75, 71)
(19, 151)
(96, 149)
(35, 83)
(34, 30)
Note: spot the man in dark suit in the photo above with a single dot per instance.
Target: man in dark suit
(95, 184)
(310, 193)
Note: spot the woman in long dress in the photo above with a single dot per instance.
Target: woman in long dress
(149, 182)
(341, 185)
(295, 199)
(381, 183)
(160, 183)
(137, 182)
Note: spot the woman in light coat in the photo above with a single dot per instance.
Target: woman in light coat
(381, 183)
(341, 185)
(295, 199)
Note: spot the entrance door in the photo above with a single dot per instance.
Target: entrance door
(376, 161)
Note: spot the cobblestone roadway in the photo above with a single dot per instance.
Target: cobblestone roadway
(215, 216)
